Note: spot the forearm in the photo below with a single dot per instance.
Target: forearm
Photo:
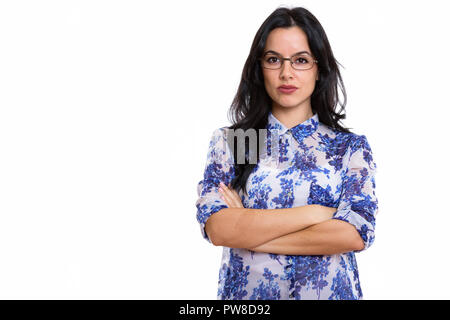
(329, 237)
(244, 227)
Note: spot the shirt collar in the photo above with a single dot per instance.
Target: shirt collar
(299, 131)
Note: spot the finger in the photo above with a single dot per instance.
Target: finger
(236, 198)
(226, 201)
(229, 195)
(225, 197)
(233, 196)
(226, 191)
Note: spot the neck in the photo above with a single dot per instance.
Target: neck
(290, 117)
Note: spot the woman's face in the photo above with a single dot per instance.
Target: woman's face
(288, 41)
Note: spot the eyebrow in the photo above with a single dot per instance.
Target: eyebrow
(271, 51)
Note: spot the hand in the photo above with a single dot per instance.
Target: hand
(230, 196)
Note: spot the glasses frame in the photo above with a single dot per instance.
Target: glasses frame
(289, 59)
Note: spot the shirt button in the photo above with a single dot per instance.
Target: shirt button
(291, 295)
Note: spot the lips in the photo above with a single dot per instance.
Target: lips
(287, 87)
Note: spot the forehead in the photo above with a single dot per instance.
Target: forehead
(287, 40)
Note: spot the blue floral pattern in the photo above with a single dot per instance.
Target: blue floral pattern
(315, 164)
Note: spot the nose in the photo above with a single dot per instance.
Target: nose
(286, 70)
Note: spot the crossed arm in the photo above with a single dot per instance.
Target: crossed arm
(305, 230)
(329, 237)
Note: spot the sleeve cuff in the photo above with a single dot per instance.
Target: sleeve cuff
(203, 215)
(364, 228)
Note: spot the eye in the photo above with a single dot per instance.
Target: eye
(272, 59)
(302, 60)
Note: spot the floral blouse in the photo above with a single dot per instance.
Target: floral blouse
(315, 165)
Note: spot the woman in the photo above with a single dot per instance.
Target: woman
(291, 222)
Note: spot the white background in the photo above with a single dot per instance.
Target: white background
(106, 111)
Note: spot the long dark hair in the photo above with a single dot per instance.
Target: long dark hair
(251, 105)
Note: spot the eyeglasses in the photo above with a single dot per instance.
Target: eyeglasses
(302, 61)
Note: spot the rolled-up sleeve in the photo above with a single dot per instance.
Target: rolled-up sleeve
(358, 203)
(219, 168)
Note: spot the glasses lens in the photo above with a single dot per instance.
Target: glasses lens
(302, 62)
(271, 61)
